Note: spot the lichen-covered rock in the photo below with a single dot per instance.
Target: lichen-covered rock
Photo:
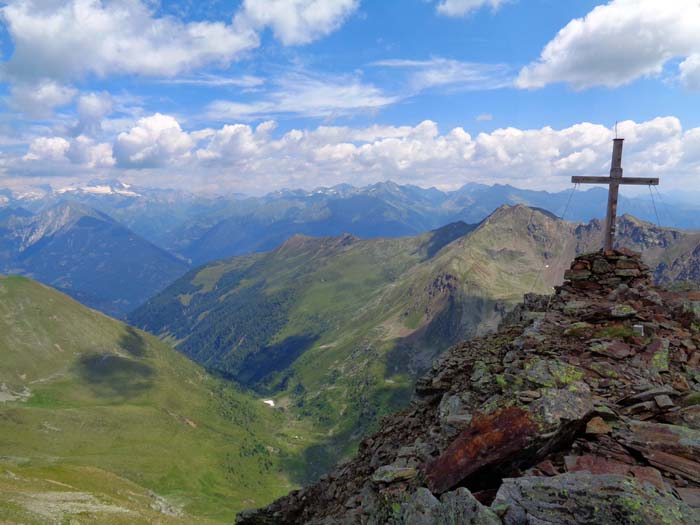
(462, 508)
(558, 406)
(582, 498)
(453, 508)
(392, 473)
(455, 413)
(422, 509)
(621, 311)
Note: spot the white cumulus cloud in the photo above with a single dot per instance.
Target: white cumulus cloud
(619, 42)
(65, 40)
(236, 142)
(47, 148)
(296, 21)
(86, 152)
(690, 71)
(54, 152)
(154, 141)
(39, 99)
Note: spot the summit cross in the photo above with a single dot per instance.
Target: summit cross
(614, 182)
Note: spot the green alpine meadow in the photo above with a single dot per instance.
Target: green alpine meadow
(104, 423)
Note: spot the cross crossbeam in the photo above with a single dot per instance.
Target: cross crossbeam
(642, 181)
(614, 182)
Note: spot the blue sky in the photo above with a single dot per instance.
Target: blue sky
(262, 94)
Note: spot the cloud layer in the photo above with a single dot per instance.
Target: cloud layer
(306, 95)
(256, 159)
(68, 40)
(619, 42)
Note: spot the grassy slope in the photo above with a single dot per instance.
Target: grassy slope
(113, 412)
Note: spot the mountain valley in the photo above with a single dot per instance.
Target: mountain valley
(332, 331)
(337, 329)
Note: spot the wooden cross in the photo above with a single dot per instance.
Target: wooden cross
(614, 182)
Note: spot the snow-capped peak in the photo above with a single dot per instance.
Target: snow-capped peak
(111, 188)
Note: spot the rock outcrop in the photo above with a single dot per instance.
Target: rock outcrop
(583, 408)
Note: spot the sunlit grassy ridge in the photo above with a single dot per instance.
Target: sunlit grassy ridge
(91, 406)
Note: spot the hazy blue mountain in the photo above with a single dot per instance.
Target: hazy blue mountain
(391, 210)
(168, 218)
(365, 214)
(87, 254)
(473, 202)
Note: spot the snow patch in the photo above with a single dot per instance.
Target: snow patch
(29, 196)
(101, 189)
(269, 402)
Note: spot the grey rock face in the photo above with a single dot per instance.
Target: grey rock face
(454, 508)
(582, 498)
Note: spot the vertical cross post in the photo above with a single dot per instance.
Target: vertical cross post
(615, 177)
(614, 182)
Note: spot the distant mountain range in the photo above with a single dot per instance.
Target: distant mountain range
(203, 229)
(112, 245)
(338, 328)
(85, 253)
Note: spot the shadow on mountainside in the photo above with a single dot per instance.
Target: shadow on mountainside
(133, 342)
(459, 319)
(274, 358)
(115, 376)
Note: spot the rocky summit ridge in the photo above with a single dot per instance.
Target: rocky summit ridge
(583, 408)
